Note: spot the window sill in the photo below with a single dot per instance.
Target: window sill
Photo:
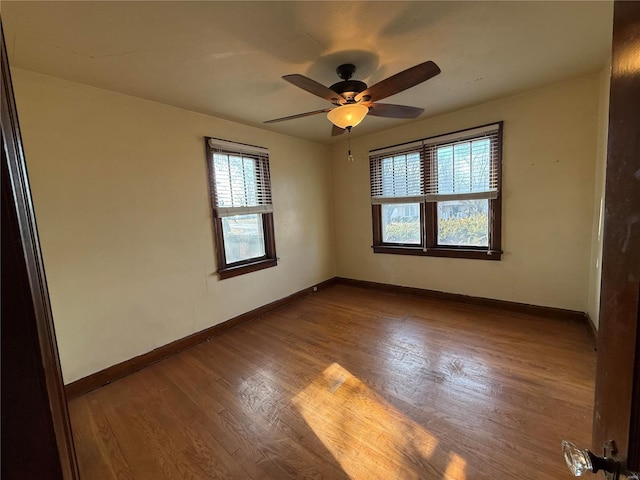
(246, 268)
(469, 253)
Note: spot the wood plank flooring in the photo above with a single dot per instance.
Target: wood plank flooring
(350, 383)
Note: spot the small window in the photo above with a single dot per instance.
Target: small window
(242, 209)
(439, 196)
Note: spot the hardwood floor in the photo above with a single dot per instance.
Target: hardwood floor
(349, 383)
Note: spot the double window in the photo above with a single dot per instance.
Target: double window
(242, 209)
(439, 196)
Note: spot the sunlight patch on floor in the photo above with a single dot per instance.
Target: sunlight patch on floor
(455, 468)
(367, 436)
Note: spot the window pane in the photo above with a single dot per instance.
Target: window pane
(243, 237)
(480, 164)
(463, 223)
(236, 183)
(464, 167)
(401, 175)
(444, 156)
(401, 223)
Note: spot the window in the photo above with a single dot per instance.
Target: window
(439, 196)
(242, 209)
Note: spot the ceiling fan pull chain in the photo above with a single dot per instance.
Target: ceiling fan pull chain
(349, 156)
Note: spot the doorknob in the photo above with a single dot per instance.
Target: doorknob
(580, 461)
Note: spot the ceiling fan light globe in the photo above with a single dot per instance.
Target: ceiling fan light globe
(347, 115)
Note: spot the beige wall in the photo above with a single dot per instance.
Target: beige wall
(550, 144)
(593, 305)
(122, 203)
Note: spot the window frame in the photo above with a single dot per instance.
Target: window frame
(428, 214)
(269, 259)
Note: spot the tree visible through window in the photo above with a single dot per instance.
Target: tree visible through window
(241, 201)
(439, 196)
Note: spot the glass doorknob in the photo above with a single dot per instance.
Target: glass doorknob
(580, 461)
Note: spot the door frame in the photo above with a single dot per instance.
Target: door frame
(617, 393)
(32, 312)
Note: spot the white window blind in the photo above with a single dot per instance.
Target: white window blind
(241, 178)
(458, 166)
(396, 177)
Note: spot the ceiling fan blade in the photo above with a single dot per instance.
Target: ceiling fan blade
(400, 81)
(336, 130)
(299, 115)
(394, 111)
(314, 87)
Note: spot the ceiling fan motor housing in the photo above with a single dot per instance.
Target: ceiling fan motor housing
(349, 88)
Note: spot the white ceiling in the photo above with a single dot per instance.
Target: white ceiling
(226, 58)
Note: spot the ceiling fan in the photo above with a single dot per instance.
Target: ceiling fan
(353, 99)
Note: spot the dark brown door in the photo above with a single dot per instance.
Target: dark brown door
(617, 401)
(36, 434)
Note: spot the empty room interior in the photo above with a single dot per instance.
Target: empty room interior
(402, 281)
